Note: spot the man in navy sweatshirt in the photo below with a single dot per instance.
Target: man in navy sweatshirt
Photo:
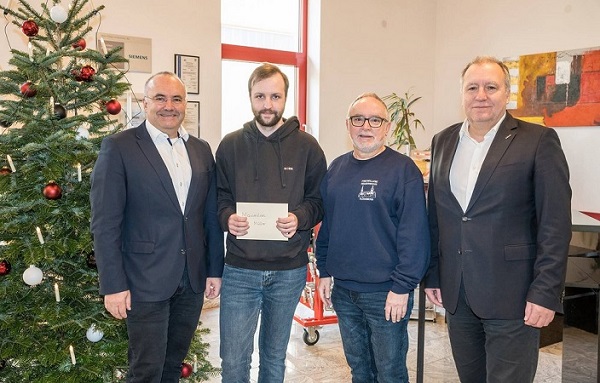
(374, 242)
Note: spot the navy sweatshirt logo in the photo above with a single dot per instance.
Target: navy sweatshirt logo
(367, 190)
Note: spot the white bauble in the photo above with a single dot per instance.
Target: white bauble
(33, 276)
(82, 133)
(58, 14)
(93, 334)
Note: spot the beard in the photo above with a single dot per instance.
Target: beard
(369, 148)
(273, 117)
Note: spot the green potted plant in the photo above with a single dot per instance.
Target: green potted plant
(403, 120)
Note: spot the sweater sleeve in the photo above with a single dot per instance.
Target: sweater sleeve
(322, 243)
(310, 211)
(412, 235)
(225, 194)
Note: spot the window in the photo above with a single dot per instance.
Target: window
(255, 31)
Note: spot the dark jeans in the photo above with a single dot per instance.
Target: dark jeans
(492, 350)
(375, 348)
(160, 334)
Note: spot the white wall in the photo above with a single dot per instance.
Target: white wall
(508, 28)
(175, 26)
(382, 46)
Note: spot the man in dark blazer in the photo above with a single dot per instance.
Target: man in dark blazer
(157, 240)
(500, 219)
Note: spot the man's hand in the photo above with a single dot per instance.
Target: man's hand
(213, 288)
(537, 316)
(238, 225)
(288, 225)
(435, 296)
(325, 291)
(118, 303)
(396, 306)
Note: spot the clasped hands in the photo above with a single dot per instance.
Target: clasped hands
(238, 225)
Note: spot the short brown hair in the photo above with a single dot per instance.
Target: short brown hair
(266, 70)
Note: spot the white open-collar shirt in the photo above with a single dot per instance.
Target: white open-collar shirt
(176, 159)
(467, 162)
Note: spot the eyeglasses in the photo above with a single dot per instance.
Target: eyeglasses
(374, 122)
(162, 100)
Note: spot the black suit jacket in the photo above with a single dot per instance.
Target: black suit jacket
(511, 244)
(142, 240)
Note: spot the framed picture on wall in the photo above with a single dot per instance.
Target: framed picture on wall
(187, 69)
(191, 123)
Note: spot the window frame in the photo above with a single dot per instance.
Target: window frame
(299, 60)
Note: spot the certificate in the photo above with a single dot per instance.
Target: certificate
(191, 122)
(187, 69)
(262, 218)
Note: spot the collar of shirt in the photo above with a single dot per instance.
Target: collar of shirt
(156, 134)
(464, 130)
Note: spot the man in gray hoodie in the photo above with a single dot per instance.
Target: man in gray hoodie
(269, 160)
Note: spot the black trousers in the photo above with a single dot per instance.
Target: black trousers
(160, 334)
(492, 350)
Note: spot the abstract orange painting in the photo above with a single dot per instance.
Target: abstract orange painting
(557, 88)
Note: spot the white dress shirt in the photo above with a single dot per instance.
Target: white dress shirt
(176, 159)
(467, 162)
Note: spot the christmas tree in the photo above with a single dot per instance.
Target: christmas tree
(56, 103)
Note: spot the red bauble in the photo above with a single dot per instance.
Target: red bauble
(5, 170)
(4, 267)
(186, 370)
(28, 90)
(30, 28)
(113, 107)
(86, 73)
(52, 191)
(79, 44)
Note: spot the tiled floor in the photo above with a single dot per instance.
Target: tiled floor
(325, 363)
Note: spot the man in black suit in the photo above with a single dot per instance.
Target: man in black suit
(157, 239)
(499, 208)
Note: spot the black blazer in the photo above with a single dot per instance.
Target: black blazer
(511, 244)
(142, 239)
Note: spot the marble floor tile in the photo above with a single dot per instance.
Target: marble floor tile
(325, 362)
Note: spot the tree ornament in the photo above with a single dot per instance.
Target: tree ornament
(90, 260)
(59, 111)
(113, 106)
(82, 133)
(52, 191)
(30, 28)
(4, 170)
(5, 123)
(33, 276)
(58, 14)
(186, 370)
(28, 89)
(4, 267)
(87, 73)
(79, 44)
(93, 334)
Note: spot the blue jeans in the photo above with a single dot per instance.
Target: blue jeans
(246, 294)
(375, 348)
(160, 334)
